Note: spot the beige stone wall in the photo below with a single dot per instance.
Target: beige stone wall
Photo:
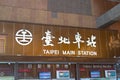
(35, 11)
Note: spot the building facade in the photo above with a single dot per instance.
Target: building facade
(59, 40)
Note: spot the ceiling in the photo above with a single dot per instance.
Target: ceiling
(114, 0)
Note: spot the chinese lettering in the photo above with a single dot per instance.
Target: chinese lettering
(78, 39)
(48, 38)
(64, 40)
(91, 41)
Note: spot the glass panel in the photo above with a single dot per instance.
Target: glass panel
(97, 72)
(26, 71)
(46, 71)
(7, 71)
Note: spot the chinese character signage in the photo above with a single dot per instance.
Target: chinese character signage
(89, 42)
(46, 40)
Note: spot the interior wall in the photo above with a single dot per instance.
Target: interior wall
(101, 6)
(37, 48)
(115, 26)
(36, 11)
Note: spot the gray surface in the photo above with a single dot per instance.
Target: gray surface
(109, 17)
(70, 6)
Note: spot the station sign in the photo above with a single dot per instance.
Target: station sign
(66, 41)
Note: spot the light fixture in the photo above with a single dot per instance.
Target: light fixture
(48, 66)
(29, 66)
(57, 65)
(39, 66)
(66, 66)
